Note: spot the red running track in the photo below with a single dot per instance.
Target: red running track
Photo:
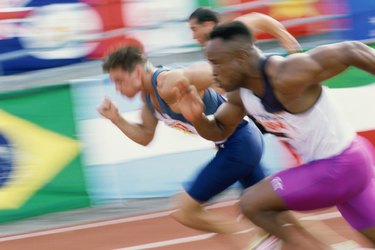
(160, 231)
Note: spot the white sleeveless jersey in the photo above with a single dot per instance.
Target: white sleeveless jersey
(318, 133)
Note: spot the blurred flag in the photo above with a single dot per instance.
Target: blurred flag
(33, 156)
(39, 155)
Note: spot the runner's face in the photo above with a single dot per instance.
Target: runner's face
(226, 67)
(200, 30)
(128, 84)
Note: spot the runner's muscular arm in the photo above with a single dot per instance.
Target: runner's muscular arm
(257, 21)
(198, 74)
(225, 120)
(168, 85)
(141, 133)
(302, 70)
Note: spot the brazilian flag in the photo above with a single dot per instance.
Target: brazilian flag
(40, 158)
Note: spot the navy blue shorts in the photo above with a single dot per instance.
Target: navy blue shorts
(237, 159)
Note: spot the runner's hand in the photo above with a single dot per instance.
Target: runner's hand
(109, 110)
(289, 43)
(190, 103)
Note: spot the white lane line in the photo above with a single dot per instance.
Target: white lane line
(104, 223)
(170, 242)
(86, 226)
(177, 241)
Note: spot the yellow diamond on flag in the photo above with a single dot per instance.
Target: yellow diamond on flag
(38, 155)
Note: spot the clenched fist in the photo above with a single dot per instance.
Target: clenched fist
(109, 110)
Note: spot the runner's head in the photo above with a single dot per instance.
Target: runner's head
(201, 23)
(232, 54)
(126, 67)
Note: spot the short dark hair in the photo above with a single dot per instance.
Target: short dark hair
(205, 14)
(124, 57)
(231, 31)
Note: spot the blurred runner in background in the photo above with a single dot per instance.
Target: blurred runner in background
(203, 20)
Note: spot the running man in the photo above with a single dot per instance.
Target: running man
(285, 94)
(203, 20)
(237, 158)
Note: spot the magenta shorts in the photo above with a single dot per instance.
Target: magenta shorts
(346, 181)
